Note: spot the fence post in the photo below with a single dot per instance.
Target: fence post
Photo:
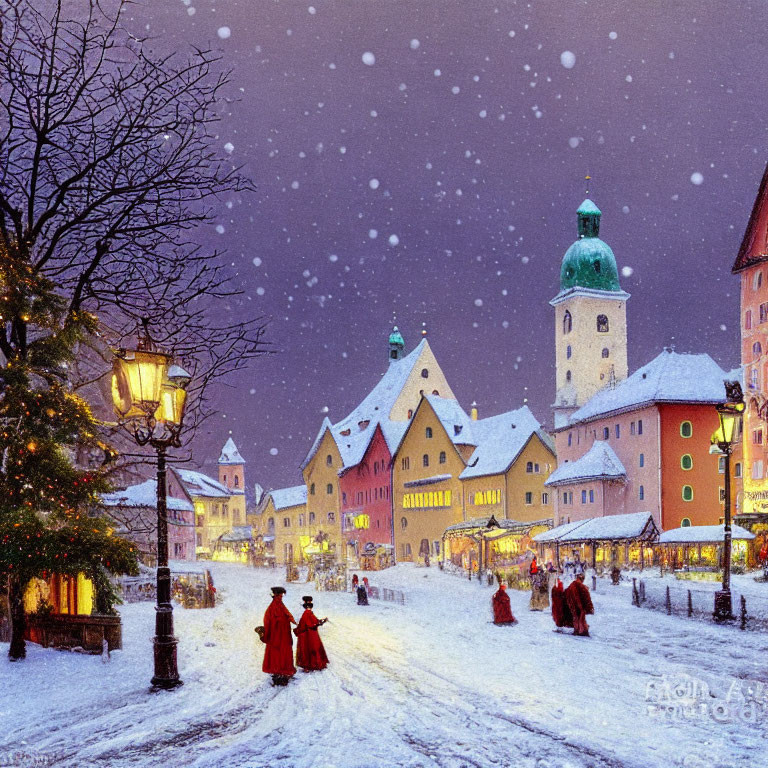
(642, 591)
(594, 582)
(690, 603)
(635, 593)
(743, 612)
(669, 602)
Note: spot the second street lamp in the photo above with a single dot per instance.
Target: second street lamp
(729, 414)
(149, 394)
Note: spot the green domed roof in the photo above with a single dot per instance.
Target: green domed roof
(589, 262)
(396, 338)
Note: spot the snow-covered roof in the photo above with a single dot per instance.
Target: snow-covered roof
(230, 454)
(608, 528)
(456, 423)
(283, 498)
(668, 378)
(481, 524)
(499, 440)
(238, 533)
(427, 480)
(144, 495)
(198, 484)
(701, 534)
(599, 462)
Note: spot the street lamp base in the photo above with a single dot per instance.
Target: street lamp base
(723, 608)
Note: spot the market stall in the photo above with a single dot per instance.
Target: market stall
(698, 549)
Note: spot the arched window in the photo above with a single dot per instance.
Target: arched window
(442, 457)
(641, 493)
(606, 433)
(687, 493)
(425, 459)
(686, 461)
(237, 481)
(757, 349)
(568, 376)
(685, 522)
(567, 322)
(748, 319)
(602, 323)
(329, 460)
(424, 373)
(435, 392)
(529, 467)
(757, 280)
(410, 413)
(403, 522)
(596, 266)
(568, 352)
(329, 488)
(686, 429)
(606, 353)
(271, 525)
(428, 432)
(311, 518)
(312, 489)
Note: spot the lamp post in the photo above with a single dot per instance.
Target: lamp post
(729, 413)
(149, 395)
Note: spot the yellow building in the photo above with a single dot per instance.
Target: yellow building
(284, 524)
(450, 468)
(232, 477)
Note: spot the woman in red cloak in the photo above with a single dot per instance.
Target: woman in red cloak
(310, 653)
(560, 612)
(502, 610)
(580, 604)
(278, 657)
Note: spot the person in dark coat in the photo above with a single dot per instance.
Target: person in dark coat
(310, 653)
(362, 595)
(502, 609)
(579, 604)
(278, 657)
(560, 612)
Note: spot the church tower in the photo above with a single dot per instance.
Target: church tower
(232, 476)
(590, 319)
(396, 345)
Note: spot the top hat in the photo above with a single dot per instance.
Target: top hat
(278, 591)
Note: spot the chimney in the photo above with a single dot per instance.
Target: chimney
(473, 412)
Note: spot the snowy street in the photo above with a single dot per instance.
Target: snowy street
(430, 683)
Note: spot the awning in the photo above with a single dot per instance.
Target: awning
(703, 534)
(638, 526)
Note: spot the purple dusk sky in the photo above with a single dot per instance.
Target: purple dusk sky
(438, 179)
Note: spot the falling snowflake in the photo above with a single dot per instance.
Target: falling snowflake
(568, 59)
(697, 178)
(368, 59)
(273, 451)
(373, 233)
(394, 240)
(224, 32)
(478, 302)
(256, 261)
(415, 44)
(627, 271)
(373, 183)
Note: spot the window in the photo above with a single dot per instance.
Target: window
(763, 312)
(529, 467)
(568, 352)
(602, 323)
(567, 322)
(757, 436)
(435, 392)
(605, 352)
(757, 280)
(407, 550)
(753, 382)
(757, 350)
(686, 429)
(410, 412)
(617, 430)
(329, 488)
(329, 460)
(237, 481)
(425, 459)
(225, 480)
(596, 266)
(311, 518)
(545, 498)
(737, 469)
(271, 525)
(429, 432)
(302, 521)
(536, 468)
(685, 522)
(606, 433)
(748, 319)
(687, 493)
(641, 493)
(528, 497)
(591, 496)
(405, 463)
(757, 469)
(443, 457)
(686, 461)
(331, 517)
(178, 550)
(642, 459)
(424, 373)
(570, 439)
(632, 428)
(312, 489)
(224, 509)
(568, 376)
(640, 427)
(721, 464)
(403, 522)
(286, 522)
(583, 497)
(436, 548)
(721, 495)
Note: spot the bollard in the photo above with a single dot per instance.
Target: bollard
(690, 603)
(743, 612)
(642, 591)
(594, 582)
(669, 603)
(635, 593)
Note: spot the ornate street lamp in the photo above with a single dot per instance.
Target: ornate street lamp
(149, 395)
(722, 442)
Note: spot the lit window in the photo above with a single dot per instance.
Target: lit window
(687, 493)
(757, 469)
(686, 429)
(686, 461)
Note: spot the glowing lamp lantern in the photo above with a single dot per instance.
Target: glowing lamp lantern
(137, 381)
(173, 396)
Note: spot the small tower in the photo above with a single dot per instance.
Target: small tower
(590, 319)
(396, 345)
(232, 476)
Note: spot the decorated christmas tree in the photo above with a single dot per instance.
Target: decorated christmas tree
(50, 522)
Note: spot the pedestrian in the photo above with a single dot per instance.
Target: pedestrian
(539, 591)
(560, 613)
(310, 653)
(355, 581)
(533, 569)
(502, 610)
(366, 585)
(362, 595)
(278, 657)
(579, 604)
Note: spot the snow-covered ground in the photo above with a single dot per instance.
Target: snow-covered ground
(430, 683)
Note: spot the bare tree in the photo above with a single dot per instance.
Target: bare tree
(108, 164)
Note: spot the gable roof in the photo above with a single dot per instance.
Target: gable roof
(144, 495)
(456, 423)
(607, 528)
(500, 439)
(230, 454)
(669, 378)
(198, 484)
(698, 534)
(282, 498)
(754, 246)
(600, 462)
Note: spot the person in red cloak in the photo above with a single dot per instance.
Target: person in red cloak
(310, 653)
(502, 610)
(355, 581)
(579, 604)
(278, 657)
(560, 613)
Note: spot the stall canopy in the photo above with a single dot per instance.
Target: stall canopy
(490, 528)
(638, 526)
(703, 534)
